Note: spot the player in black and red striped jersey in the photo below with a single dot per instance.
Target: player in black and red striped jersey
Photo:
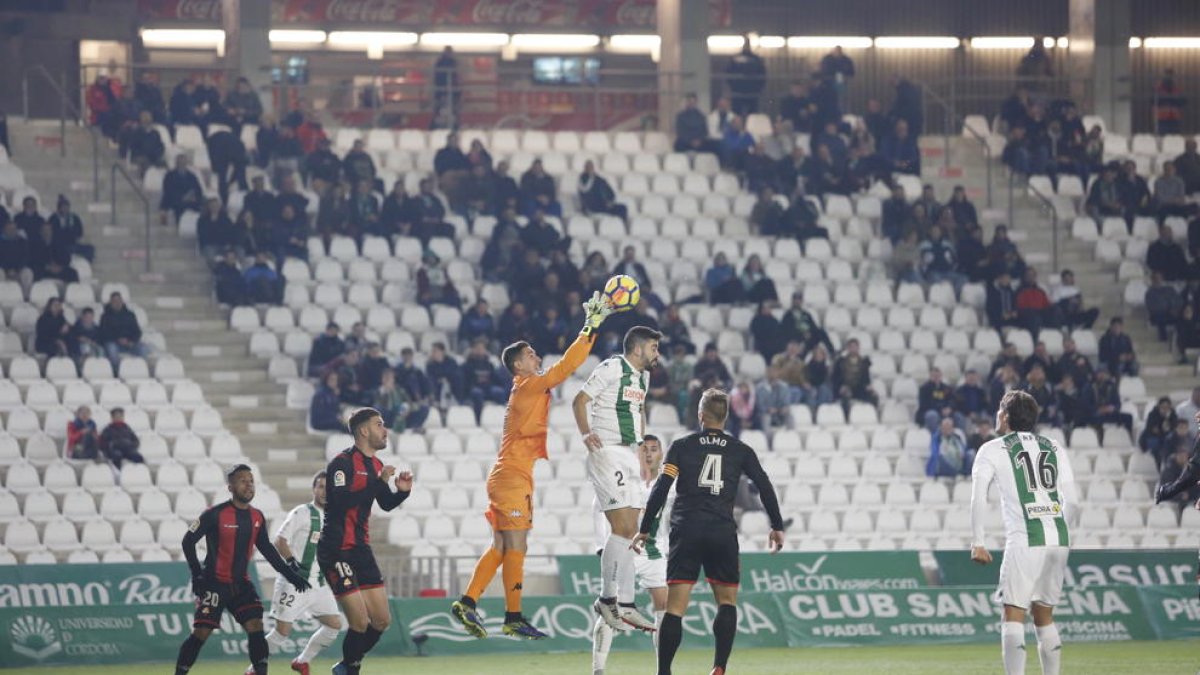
(355, 480)
(232, 530)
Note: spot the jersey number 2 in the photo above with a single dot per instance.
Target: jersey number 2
(1046, 471)
(710, 474)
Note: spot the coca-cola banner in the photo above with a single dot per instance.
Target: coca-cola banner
(579, 15)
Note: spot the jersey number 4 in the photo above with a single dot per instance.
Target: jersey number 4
(710, 474)
(1046, 474)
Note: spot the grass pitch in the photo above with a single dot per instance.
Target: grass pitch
(1112, 658)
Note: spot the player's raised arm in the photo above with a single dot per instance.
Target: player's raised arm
(658, 498)
(595, 311)
(289, 572)
(389, 500)
(982, 475)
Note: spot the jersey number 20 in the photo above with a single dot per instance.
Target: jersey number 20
(710, 474)
(1046, 472)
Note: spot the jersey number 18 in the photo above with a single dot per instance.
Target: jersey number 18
(710, 474)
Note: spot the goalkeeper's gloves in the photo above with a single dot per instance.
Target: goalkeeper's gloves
(595, 310)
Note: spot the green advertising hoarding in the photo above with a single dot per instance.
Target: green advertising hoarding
(123, 634)
(96, 584)
(789, 572)
(1085, 568)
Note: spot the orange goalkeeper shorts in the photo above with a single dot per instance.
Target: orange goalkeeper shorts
(510, 501)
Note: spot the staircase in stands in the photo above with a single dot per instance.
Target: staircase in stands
(178, 296)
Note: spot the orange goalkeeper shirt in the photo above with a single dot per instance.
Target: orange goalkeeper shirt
(525, 421)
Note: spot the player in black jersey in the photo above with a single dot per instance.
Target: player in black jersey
(232, 530)
(355, 480)
(705, 468)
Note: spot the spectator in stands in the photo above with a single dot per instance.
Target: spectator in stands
(399, 212)
(542, 236)
(181, 190)
(935, 401)
(1188, 166)
(826, 174)
(772, 399)
(228, 282)
(899, 149)
(350, 390)
(1134, 193)
(68, 225)
(1019, 153)
(1104, 199)
(118, 441)
(851, 377)
(1068, 304)
(1163, 304)
(722, 282)
(50, 255)
(1170, 195)
(430, 213)
(214, 229)
(102, 101)
(790, 170)
(1036, 386)
(52, 329)
(479, 194)
(1167, 257)
(742, 404)
(982, 433)
(325, 348)
(434, 285)
(551, 331)
(1187, 332)
(1040, 357)
(949, 454)
(263, 285)
(675, 331)
(229, 159)
(119, 331)
(259, 201)
(597, 196)
(482, 383)
(801, 218)
(905, 263)
(476, 323)
(364, 213)
(769, 337)
(149, 96)
(322, 167)
(1172, 470)
(1116, 350)
(1004, 380)
(907, 105)
(746, 77)
(479, 157)
(29, 219)
(767, 214)
(445, 375)
(1008, 356)
(515, 324)
(357, 341)
(691, 129)
(371, 366)
(143, 145)
(357, 165)
(84, 341)
(838, 68)
(630, 266)
(414, 380)
(897, 216)
(83, 439)
(718, 119)
(1104, 400)
(799, 324)
(451, 166)
(504, 188)
(971, 399)
(538, 192)
(1001, 303)
(1014, 111)
(962, 208)
(736, 144)
(324, 413)
(1034, 310)
(757, 287)
(183, 107)
(290, 232)
(1160, 423)
(972, 254)
(710, 365)
(796, 108)
(400, 412)
(781, 141)
(939, 260)
(242, 105)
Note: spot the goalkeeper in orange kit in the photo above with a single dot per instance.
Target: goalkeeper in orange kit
(510, 484)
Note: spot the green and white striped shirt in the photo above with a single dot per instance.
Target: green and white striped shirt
(1036, 485)
(301, 529)
(618, 394)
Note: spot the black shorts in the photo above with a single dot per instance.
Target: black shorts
(715, 548)
(240, 598)
(350, 571)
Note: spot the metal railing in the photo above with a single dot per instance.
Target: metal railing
(66, 104)
(949, 117)
(1048, 205)
(137, 190)
(987, 155)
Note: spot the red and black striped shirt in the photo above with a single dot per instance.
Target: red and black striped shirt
(352, 484)
(231, 535)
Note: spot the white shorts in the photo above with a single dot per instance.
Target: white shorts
(1030, 575)
(288, 605)
(616, 475)
(651, 573)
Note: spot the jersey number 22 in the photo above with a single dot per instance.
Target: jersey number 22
(710, 474)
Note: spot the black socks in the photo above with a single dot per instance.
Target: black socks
(724, 628)
(188, 652)
(670, 634)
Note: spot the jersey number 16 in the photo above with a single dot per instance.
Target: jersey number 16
(1046, 472)
(710, 474)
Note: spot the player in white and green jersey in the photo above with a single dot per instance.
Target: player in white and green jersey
(611, 414)
(1037, 486)
(296, 541)
(650, 565)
